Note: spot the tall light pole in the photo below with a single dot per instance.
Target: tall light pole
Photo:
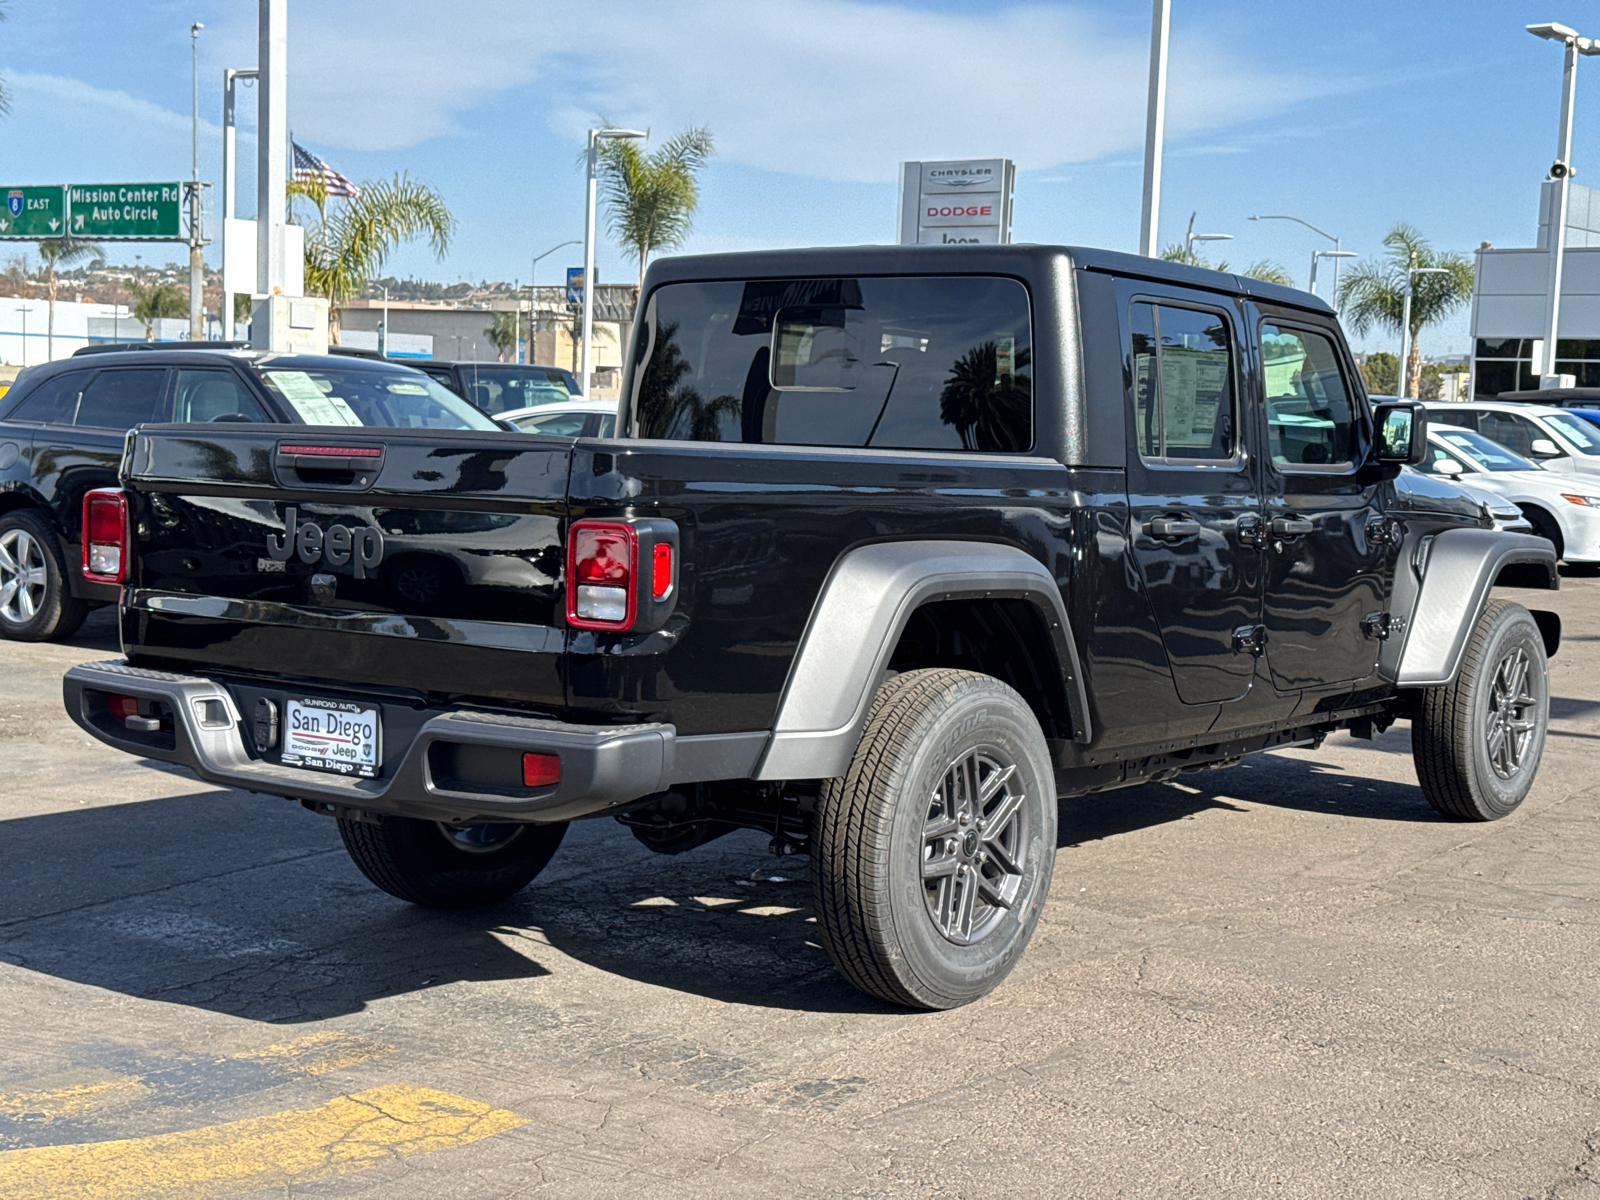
(1312, 288)
(1336, 255)
(1190, 237)
(24, 311)
(1405, 323)
(383, 328)
(1155, 129)
(533, 273)
(230, 183)
(197, 269)
(591, 164)
(1561, 175)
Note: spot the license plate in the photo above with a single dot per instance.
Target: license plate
(331, 735)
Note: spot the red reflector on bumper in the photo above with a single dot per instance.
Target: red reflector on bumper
(122, 707)
(540, 770)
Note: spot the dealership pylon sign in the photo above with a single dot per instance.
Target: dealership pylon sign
(967, 202)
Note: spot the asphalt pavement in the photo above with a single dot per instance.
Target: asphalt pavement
(1287, 978)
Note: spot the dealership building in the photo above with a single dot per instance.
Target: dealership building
(1510, 297)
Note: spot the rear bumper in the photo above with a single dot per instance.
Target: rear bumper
(602, 767)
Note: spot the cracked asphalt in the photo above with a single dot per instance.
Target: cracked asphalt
(1288, 978)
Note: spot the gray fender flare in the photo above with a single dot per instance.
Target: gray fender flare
(859, 617)
(1457, 569)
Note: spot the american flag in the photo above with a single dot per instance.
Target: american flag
(308, 168)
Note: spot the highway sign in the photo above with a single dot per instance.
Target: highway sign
(33, 212)
(132, 211)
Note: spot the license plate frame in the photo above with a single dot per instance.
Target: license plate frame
(336, 736)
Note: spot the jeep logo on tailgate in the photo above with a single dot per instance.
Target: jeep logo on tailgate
(337, 545)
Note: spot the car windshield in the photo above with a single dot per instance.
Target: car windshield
(1577, 431)
(375, 398)
(504, 388)
(1475, 448)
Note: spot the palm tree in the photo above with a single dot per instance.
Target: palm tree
(62, 252)
(651, 198)
(987, 409)
(1372, 294)
(346, 248)
(156, 301)
(503, 331)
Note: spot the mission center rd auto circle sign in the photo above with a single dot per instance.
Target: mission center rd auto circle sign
(966, 202)
(126, 210)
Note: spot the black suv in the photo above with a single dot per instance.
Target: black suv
(63, 426)
(499, 388)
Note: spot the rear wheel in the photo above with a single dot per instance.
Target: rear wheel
(449, 866)
(1477, 742)
(932, 856)
(36, 604)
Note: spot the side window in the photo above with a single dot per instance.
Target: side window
(122, 398)
(1310, 415)
(1514, 433)
(1444, 415)
(1183, 393)
(53, 401)
(215, 396)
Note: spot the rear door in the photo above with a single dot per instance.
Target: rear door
(1194, 487)
(1327, 559)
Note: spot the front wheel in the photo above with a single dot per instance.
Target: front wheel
(932, 855)
(449, 866)
(1477, 742)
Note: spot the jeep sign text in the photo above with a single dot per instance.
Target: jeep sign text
(337, 545)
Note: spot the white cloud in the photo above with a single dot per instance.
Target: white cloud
(832, 89)
(100, 110)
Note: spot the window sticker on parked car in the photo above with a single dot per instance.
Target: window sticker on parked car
(314, 406)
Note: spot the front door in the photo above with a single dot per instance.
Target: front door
(1327, 549)
(1193, 490)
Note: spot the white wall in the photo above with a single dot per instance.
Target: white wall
(1509, 294)
(76, 326)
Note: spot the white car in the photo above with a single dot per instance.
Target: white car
(1562, 507)
(1552, 437)
(574, 418)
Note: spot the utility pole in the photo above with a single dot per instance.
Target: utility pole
(1155, 130)
(197, 267)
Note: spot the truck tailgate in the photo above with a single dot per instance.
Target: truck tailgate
(428, 561)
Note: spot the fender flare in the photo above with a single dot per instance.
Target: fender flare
(1457, 568)
(858, 619)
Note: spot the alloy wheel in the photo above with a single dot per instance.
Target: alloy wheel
(973, 845)
(484, 838)
(1513, 714)
(23, 578)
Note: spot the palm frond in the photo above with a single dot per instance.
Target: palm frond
(651, 198)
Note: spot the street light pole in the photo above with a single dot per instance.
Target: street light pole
(592, 163)
(383, 329)
(197, 270)
(1405, 324)
(1561, 175)
(1190, 237)
(1155, 126)
(1336, 255)
(1312, 283)
(24, 311)
(533, 273)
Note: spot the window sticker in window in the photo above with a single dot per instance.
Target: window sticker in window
(1188, 414)
(314, 406)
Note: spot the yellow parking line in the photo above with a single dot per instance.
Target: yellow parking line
(349, 1133)
(320, 1052)
(71, 1101)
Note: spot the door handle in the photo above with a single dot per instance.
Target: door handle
(1174, 528)
(1291, 527)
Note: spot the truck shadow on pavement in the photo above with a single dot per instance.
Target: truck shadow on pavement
(248, 906)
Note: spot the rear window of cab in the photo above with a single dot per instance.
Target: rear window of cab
(905, 363)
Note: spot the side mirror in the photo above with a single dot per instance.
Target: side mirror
(1448, 466)
(1544, 448)
(1402, 428)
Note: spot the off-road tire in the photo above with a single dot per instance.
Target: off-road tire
(57, 612)
(870, 844)
(1451, 732)
(417, 861)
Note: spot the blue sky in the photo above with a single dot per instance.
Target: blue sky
(1352, 114)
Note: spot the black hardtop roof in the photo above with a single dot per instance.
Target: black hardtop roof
(1022, 260)
(476, 362)
(221, 356)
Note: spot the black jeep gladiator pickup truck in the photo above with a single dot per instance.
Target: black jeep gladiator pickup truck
(900, 546)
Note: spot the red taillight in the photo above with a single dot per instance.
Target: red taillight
(602, 563)
(540, 770)
(661, 571)
(107, 544)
